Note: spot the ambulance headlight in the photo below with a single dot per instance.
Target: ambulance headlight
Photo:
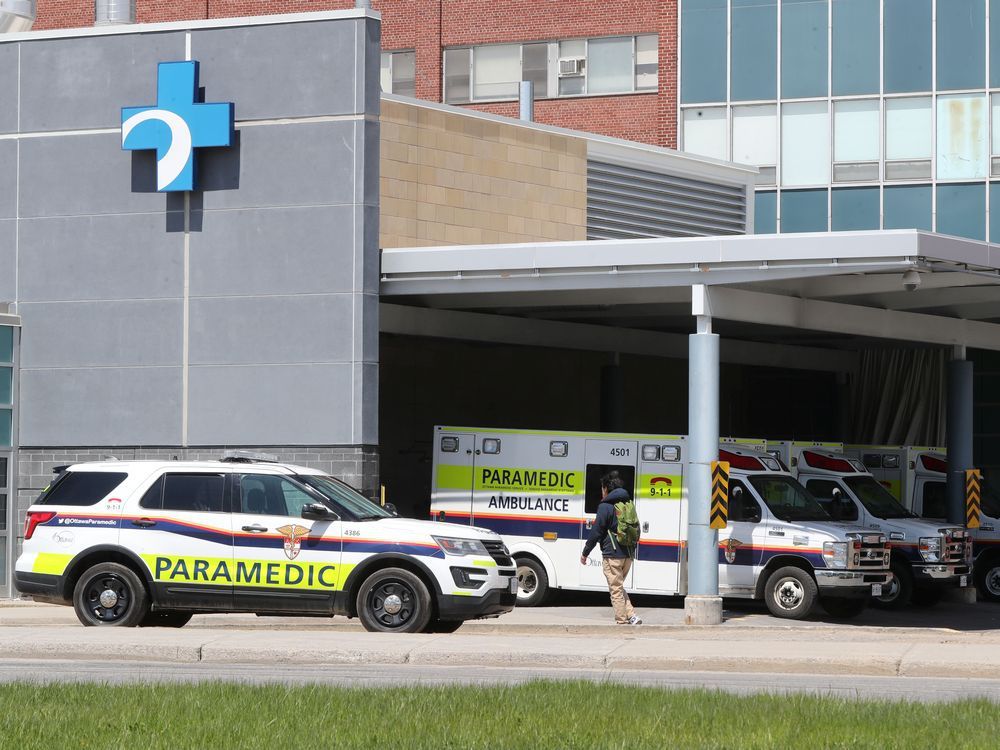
(835, 554)
(930, 548)
(453, 546)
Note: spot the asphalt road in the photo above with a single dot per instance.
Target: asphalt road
(851, 687)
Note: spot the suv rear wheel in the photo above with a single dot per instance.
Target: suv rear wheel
(394, 600)
(110, 594)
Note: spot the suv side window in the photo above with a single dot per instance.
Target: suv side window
(82, 488)
(200, 493)
(742, 505)
(272, 495)
(842, 509)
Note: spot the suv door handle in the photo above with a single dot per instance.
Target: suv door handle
(143, 522)
(256, 528)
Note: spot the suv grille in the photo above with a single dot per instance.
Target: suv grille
(498, 552)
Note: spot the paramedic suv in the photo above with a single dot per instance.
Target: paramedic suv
(151, 543)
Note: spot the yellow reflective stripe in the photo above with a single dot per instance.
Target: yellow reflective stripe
(50, 563)
(484, 563)
(222, 571)
(454, 477)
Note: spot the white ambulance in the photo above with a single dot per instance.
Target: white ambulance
(920, 474)
(540, 490)
(153, 542)
(927, 556)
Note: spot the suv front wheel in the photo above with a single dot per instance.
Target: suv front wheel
(110, 594)
(394, 600)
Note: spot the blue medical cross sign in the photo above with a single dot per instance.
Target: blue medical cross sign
(177, 125)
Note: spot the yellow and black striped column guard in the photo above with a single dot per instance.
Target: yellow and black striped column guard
(720, 495)
(973, 497)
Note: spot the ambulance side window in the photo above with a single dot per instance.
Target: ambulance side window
(742, 505)
(594, 473)
(837, 504)
(935, 503)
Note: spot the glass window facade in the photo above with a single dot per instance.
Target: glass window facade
(6, 386)
(705, 132)
(754, 50)
(961, 44)
(995, 213)
(855, 54)
(765, 213)
(803, 211)
(907, 207)
(961, 210)
(854, 209)
(907, 45)
(755, 138)
(703, 51)
(962, 140)
(805, 144)
(804, 35)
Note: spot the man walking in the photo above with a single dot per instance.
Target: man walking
(617, 557)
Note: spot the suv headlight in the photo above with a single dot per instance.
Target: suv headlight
(835, 554)
(930, 548)
(461, 546)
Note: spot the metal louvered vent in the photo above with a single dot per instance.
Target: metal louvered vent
(625, 202)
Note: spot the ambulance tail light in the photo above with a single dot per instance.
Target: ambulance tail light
(736, 461)
(33, 519)
(934, 464)
(829, 463)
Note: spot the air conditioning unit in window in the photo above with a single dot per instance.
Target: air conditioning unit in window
(572, 66)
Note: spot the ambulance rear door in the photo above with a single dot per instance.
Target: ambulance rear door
(603, 456)
(454, 470)
(659, 496)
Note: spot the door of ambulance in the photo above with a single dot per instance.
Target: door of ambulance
(455, 477)
(741, 543)
(282, 561)
(659, 504)
(601, 457)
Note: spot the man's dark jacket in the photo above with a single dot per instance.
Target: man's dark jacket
(607, 522)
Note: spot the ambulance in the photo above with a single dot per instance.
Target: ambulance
(153, 542)
(540, 490)
(922, 476)
(927, 556)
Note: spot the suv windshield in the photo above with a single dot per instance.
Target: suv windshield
(787, 499)
(349, 503)
(876, 498)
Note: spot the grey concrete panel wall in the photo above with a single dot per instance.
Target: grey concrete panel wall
(254, 330)
(306, 68)
(8, 88)
(73, 84)
(291, 404)
(83, 175)
(143, 333)
(302, 164)
(8, 260)
(372, 42)
(8, 178)
(279, 251)
(101, 405)
(56, 253)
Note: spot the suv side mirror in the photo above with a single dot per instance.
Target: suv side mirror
(317, 512)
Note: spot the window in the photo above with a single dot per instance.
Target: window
(6, 344)
(994, 137)
(272, 495)
(593, 481)
(804, 26)
(572, 67)
(805, 144)
(703, 50)
(803, 211)
(398, 73)
(192, 492)
(855, 52)
(82, 488)
(765, 213)
(742, 505)
(496, 71)
(935, 500)
(855, 141)
(962, 140)
(994, 43)
(854, 209)
(755, 139)
(907, 207)
(995, 216)
(837, 504)
(961, 210)
(535, 68)
(705, 132)
(457, 64)
(610, 65)
(753, 67)
(961, 44)
(907, 50)
(647, 62)
(908, 145)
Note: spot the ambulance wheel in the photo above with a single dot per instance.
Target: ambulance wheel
(444, 626)
(394, 600)
(166, 620)
(110, 594)
(987, 575)
(841, 608)
(790, 593)
(898, 592)
(532, 582)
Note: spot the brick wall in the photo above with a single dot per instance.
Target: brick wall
(428, 26)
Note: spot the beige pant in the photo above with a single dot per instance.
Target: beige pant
(615, 570)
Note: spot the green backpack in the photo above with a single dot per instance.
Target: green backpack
(627, 533)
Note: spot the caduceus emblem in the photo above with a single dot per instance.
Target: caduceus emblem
(293, 534)
(731, 546)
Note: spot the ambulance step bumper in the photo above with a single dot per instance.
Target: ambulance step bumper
(491, 604)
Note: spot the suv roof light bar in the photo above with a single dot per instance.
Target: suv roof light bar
(249, 457)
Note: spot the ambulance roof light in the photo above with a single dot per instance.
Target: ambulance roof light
(736, 461)
(650, 453)
(931, 463)
(670, 453)
(449, 444)
(829, 463)
(491, 446)
(890, 461)
(558, 448)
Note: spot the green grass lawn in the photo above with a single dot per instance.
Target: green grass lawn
(536, 715)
